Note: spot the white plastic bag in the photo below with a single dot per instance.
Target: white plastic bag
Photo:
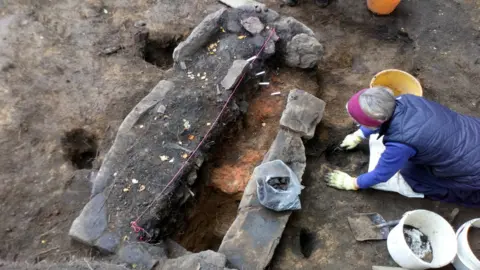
(394, 184)
(278, 187)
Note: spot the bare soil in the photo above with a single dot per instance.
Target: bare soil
(70, 73)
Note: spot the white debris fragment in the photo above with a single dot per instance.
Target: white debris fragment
(198, 74)
(172, 160)
(164, 158)
(260, 73)
(105, 11)
(203, 77)
(276, 93)
(263, 83)
(161, 109)
(251, 58)
(209, 124)
(186, 124)
(134, 181)
(263, 124)
(141, 126)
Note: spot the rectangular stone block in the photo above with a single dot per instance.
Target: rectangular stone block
(303, 113)
(251, 240)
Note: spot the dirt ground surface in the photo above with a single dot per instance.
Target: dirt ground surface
(70, 74)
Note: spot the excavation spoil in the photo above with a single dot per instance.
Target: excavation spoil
(418, 243)
(279, 183)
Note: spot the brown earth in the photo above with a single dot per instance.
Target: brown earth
(56, 80)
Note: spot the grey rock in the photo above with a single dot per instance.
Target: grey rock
(205, 260)
(108, 242)
(269, 48)
(287, 147)
(199, 36)
(175, 250)
(92, 221)
(192, 177)
(303, 51)
(234, 74)
(261, 11)
(253, 25)
(303, 112)
(234, 26)
(288, 27)
(134, 253)
(251, 240)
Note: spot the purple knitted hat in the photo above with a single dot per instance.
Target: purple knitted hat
(356, 112)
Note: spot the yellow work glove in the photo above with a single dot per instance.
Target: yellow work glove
(352, 140)
(341, 180)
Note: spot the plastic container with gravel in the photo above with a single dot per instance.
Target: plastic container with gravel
(419, 237)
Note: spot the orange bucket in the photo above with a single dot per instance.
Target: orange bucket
(382, 7)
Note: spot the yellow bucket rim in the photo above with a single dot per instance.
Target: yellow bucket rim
(400, 71)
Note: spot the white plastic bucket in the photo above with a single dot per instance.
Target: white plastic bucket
(465, 259)
(439, 232)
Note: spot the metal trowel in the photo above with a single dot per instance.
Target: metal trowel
(370, 226)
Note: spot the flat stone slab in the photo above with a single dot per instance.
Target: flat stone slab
(208, 260)
(234, 74)
(303, 113)
(252, 238)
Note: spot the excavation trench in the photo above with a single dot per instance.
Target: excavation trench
(223, 177)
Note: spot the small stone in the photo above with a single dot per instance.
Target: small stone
(140, 24)
(136, 254)
(253, 25)
(161, 109)
(183, 65)
(203, 260)
(108, 243)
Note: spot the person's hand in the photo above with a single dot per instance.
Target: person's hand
(341, 180)
(351, 141)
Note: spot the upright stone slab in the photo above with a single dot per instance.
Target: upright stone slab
(251, 240)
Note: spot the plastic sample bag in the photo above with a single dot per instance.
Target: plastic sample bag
(278, 187)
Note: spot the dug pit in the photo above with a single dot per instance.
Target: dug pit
(80, 148)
